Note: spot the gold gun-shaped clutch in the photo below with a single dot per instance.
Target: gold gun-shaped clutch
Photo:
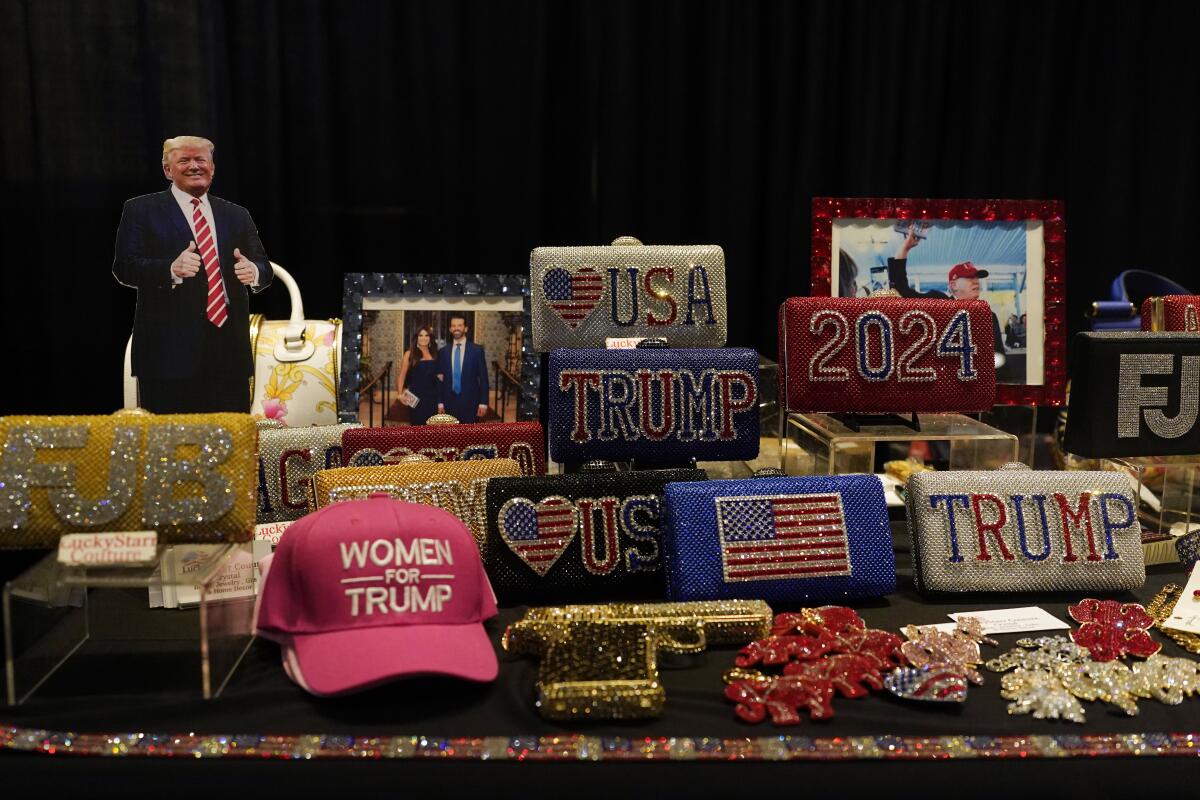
(601, 661)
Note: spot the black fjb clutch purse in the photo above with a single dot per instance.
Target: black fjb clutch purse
(1134, 394)
(585, 537)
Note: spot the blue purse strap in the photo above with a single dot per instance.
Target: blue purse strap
(1120, 311)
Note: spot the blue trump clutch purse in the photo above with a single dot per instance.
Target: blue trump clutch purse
(789, 540)
(656, 405)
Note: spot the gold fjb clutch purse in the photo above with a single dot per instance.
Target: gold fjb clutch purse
(191, 477)
(459, 487)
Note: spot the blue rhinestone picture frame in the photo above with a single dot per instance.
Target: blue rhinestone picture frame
(359, 286)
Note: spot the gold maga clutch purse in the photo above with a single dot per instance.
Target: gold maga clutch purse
(459, 487)
(191, 477)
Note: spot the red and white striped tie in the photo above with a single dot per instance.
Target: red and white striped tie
(217, 310)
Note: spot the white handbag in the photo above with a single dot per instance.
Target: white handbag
(295, 365)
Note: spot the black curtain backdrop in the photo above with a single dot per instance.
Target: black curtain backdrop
(454, 137)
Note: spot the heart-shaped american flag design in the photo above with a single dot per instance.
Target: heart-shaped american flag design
(538, 533)
(573, 296)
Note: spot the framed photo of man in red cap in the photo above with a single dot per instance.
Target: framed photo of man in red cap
(1008, 253)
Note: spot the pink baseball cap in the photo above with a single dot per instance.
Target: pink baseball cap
(366, 591)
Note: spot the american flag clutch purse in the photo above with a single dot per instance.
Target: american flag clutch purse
(577, 538)
(792, 540)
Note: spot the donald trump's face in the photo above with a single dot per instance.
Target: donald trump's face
(965, 288)
(191, 169)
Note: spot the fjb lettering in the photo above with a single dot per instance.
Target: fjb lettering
(540, 532)
(658, 405)
(408, 571)
(1137, 402)
(1078, 528)
(165, 467)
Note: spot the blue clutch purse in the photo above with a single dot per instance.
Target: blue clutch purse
(656, 405)
(792, 540)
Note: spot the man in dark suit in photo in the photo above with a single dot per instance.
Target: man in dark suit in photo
(191, 257)
(462, 374)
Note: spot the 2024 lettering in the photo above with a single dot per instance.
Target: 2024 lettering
(875, 345)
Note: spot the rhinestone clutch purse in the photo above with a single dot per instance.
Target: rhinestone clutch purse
(524, 442)
(584, 295)
(656, 405)
(459, 487)
(1017, 530)
(579, 538)
(1134, 394)
(792, 540)
(600, 661)
(191, 477)
(287, 459)
(1171, 312)
(886, 354)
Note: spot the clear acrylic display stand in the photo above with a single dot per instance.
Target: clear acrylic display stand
(53, 612)
(1167, 499)
(823, 444)
(1020, 421)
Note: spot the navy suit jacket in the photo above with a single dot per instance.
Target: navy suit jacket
(168, 325)
(474, 378)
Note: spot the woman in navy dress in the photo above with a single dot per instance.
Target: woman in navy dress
(418, 374)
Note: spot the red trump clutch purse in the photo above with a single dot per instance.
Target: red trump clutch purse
(886, 354)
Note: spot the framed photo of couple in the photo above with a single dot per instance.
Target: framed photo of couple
(400, 363)
(1009, 253)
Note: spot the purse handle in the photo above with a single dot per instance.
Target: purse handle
(292, 344)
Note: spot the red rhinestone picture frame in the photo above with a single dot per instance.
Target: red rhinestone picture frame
(1052, 390)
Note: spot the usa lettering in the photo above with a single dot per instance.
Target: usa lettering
(599, 522)
(658, 405)
(402, 576)
(656, 288)
(1071, 529)
(1138, 403)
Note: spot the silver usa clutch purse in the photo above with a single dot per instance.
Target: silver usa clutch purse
(1016, 530)
(582, 296)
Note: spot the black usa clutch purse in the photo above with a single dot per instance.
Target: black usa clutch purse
(577, 538)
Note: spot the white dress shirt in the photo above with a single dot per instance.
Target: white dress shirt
(185, 205)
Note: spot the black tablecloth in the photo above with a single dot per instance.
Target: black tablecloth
(127, 693)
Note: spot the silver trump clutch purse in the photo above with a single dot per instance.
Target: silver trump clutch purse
(582, 296)
(1017, 530)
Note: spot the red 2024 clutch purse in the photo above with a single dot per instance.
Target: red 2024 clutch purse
(524, 442)
(886, 354)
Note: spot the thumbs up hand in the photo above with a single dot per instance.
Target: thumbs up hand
(187, 263)
(245, 269)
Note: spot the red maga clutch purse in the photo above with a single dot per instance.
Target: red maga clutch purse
(523, 442)
(886, 354)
